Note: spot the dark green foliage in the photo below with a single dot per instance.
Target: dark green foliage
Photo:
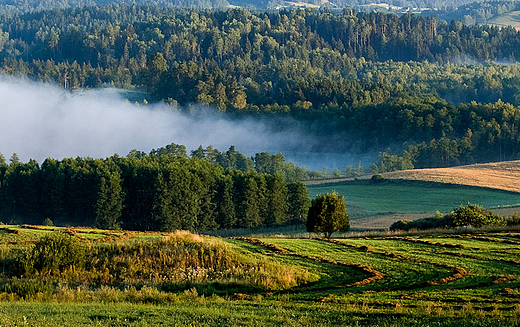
(388, 162)
(476, 216)
(226, 216)
(248, 205)
(422, 224)
(350, 80)
(400, 225)
(327, 214)
(299, 202)
(171, 150)
(53, 254)
(165, 190)
(514, 220)
(109, 204)
(377, 178)
(276, 200)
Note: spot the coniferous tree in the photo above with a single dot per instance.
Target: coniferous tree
(109, 203)
(226, 216)
(276, 200)
(299, 202)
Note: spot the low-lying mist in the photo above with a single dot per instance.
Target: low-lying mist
(40, 120)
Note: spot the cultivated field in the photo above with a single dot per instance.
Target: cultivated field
(133, 279)
(378, 205)
(500, 175)
(418, 193)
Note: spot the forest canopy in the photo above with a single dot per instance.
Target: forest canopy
(421, 91)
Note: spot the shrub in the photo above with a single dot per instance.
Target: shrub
(421, 224)
(28, 288)
(377, 178)
(514, 220)
(470, 215)
(400, 225)
(48, 222)
(52, 254)
(476, 216)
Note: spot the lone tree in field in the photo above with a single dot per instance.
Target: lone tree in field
(327, 214)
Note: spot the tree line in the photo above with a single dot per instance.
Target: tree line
(462, 134)
(164, 190)
(437, 6)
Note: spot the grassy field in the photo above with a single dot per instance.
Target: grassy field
(368, 199)
(418, 193)
(142, 279)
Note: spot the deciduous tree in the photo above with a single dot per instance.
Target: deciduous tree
(327, 214)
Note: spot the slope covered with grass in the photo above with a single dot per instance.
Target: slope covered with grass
(125, 278)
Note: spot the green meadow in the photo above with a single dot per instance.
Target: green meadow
(124, 278)
(366, 199)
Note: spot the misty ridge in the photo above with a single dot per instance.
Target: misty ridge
(41, 120)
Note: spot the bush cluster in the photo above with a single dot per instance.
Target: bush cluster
(53, 254)
(471, 215)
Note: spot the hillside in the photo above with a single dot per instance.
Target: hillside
(499, 175)
(125, 278)
(508, 19)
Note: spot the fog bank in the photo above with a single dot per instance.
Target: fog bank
(41, 120)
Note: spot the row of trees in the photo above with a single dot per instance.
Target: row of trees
(471, 215)
(439, 134)
(262, 163)
(164, 190)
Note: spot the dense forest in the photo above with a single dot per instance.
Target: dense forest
(357, 82)
(164, 190)
(437, 6)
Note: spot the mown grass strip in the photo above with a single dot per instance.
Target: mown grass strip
(458, 272)
(425, 242)
(374, 274)
(494, 240)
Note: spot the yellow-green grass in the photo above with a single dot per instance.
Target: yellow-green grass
(486, 266)
(328, 277)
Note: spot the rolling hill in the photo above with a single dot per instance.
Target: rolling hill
(498, 175)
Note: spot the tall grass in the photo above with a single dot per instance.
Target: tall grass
(175, 261)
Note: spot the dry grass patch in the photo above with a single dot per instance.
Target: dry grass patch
(498, 175)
